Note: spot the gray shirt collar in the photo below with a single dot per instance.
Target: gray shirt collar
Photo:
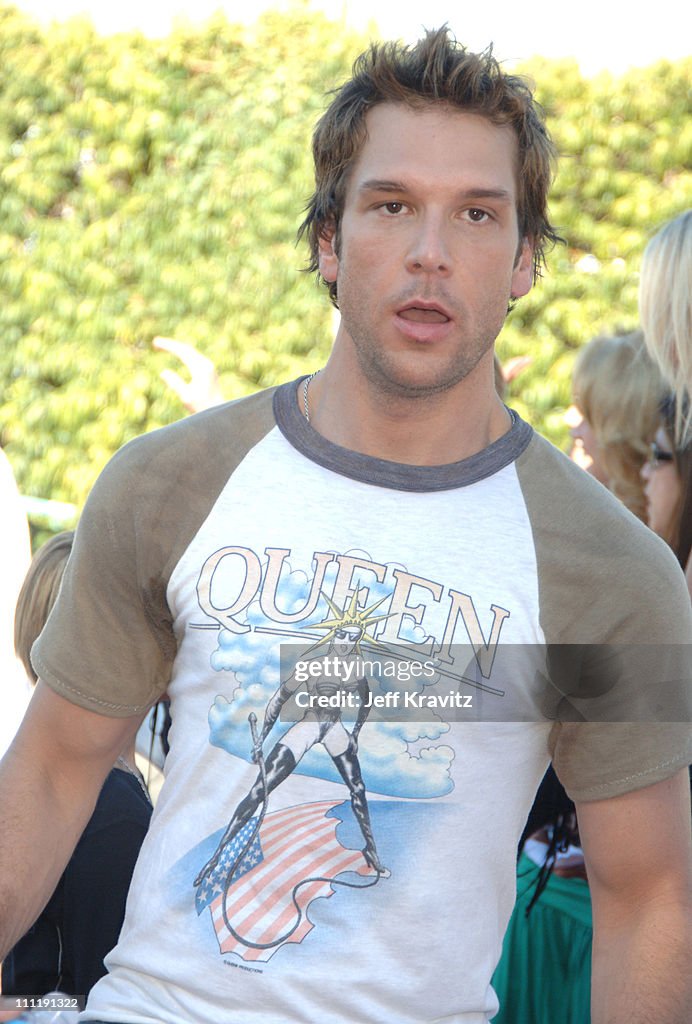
(395, 475)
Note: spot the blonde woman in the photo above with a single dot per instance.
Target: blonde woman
(665, 310)
(617, 389)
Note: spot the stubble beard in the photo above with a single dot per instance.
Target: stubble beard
(403, 375)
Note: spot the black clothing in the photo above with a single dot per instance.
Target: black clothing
(81, 923)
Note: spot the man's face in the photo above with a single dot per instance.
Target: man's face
(428, 252)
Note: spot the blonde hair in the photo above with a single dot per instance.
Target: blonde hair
(665, 311)
(38, 594)
(619, 390)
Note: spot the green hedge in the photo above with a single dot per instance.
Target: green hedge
(154, 187)
(625, 168)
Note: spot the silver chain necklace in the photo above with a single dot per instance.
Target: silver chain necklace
(306, 385)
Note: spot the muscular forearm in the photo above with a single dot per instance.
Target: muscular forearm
(641, 968)
(40, 828)
(50, 780)
(638, 850)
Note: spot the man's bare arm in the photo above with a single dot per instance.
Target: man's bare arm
(50, 779)
(639, 863)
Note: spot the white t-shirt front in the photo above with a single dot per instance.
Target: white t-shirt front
(208, 546)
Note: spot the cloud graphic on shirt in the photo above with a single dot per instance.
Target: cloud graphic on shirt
(390, 767)
(250, 653)
(393, 757)
(387, 762)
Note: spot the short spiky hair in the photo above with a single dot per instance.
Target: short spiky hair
(436, 70)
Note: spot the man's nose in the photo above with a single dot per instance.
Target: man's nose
(429, 251)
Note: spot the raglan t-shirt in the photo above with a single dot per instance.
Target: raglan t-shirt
(210, 547)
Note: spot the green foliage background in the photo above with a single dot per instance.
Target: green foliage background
(155, 187)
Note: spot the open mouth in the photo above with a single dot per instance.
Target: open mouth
(421, 315)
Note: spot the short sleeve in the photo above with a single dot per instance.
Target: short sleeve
(617, 621)
(598, 760)
(109, 643)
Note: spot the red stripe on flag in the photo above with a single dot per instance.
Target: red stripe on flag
(298, 843)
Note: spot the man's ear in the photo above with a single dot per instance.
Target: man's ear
(522, 275)
(328, 255)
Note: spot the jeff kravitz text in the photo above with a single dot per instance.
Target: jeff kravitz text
(393, 699)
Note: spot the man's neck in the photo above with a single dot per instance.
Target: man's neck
(431, 430)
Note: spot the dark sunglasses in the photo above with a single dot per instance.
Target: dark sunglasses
(659, 455)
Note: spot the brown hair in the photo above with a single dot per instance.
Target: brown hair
(38, 594)
(437, 70)
(618, 389)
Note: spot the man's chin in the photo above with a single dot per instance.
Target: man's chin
(403, 381)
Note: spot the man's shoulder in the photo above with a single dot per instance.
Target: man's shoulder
(548, 463)
(553, 482)
(195, 453)
(226, 426)
(599, 565)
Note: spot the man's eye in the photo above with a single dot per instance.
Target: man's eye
(393, 207)
(476, 215)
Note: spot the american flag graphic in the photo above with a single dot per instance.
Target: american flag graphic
(293, 845)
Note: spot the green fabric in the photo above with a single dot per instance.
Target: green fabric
(544, 973)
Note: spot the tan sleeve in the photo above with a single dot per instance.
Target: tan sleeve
(608, 584)
(109, 644)
(598, 760)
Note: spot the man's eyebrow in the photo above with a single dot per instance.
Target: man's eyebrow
(502, 194)
(380, 185)
(385, 185)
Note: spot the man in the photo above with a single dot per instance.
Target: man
(396, 475)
